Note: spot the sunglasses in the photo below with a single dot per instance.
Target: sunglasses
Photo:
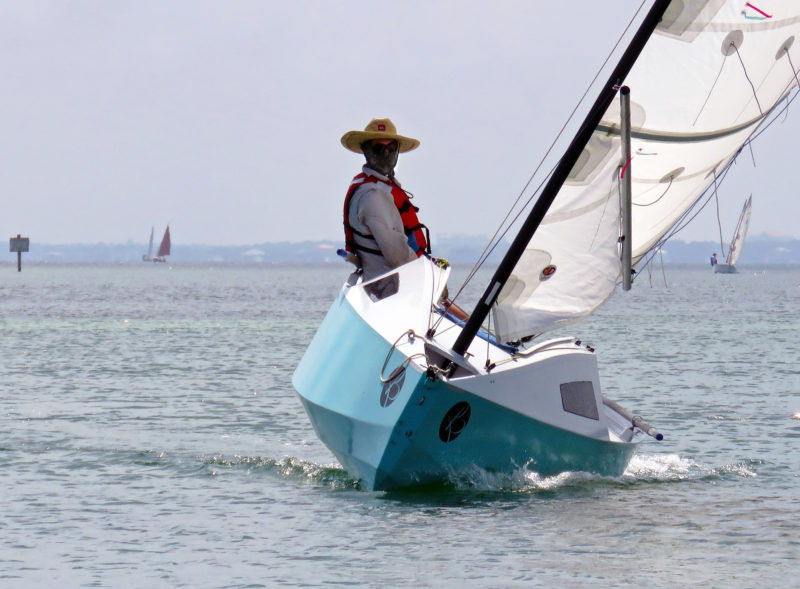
(377, 148)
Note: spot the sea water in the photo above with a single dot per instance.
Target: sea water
(150, 437)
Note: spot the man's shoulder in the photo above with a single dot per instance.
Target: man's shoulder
(368, 187)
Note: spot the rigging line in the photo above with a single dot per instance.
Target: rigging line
(786, 111)
(797, 81)
(614, 176)
(708, 96)
(791, 65)
(671, 178)
(768, 124)
(485, 257)
(719, 223)
(552, 145)
(488, 250)
(680, 225)
(683, 221)
(746, 75)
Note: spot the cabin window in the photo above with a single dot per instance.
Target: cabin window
(383, 288)
(578, 398)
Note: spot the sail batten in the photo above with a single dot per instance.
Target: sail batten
(704, 84)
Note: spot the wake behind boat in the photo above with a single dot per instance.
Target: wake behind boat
(737, 243)
(403, 393)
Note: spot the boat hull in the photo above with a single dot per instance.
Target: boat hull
(444, 434)
(416, 428)
(725, 269)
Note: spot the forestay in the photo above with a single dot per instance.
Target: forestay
(710, 75)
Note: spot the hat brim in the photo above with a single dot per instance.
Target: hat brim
(352, 140)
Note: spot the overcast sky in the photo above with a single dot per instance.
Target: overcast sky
(223, 119)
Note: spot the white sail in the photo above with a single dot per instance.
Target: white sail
(737, 243)
(710, 75)
(150, 247)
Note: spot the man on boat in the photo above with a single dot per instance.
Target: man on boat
(381, 227)
(714, 260)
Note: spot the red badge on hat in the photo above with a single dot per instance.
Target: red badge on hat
(381, 127)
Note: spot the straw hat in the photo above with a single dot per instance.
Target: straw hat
(377, 129)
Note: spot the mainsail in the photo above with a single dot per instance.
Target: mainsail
(741, 232)
(710, 75)
(163, 249)
(149, 255)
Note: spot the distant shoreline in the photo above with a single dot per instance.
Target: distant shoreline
(758, 250)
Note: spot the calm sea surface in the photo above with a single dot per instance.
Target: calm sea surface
(150, 437)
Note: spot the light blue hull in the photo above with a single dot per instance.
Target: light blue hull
(424, 430)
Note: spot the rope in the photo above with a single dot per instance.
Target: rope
(650, 204)
(694, 210)
(708, 96)
(746, 75)
(791, 65)
(685, 219)
(411, 335)
(719, 223)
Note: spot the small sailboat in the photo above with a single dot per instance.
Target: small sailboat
(737, 243)
(164, 247)
(404, 393)
(148, 257)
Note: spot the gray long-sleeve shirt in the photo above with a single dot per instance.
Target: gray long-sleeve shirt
(372, 211)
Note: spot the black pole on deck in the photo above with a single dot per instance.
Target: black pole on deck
(560, 174)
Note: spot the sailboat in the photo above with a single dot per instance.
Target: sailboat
(164, 247)
(737, 243)
(404, 393)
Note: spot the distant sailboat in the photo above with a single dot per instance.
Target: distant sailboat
(148, 257)
(737, 243)
(163, 249)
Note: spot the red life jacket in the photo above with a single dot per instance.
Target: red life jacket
(408, 214)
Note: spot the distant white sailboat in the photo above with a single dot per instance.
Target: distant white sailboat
(148, 257)
(737, 243)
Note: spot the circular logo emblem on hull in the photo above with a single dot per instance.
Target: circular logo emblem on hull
(392, 388)
(454, 421)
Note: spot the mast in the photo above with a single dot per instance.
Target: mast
(627, 174)
(559, 175)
